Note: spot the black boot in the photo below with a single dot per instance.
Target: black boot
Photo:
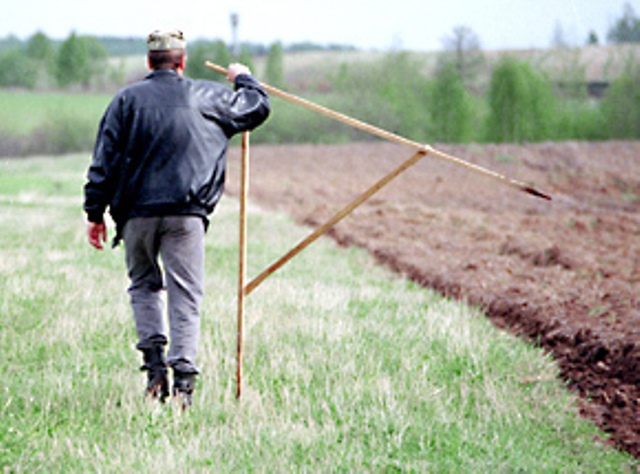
(156, 366)
(183, 386)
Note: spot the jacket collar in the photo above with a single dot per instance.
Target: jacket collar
(162, 73)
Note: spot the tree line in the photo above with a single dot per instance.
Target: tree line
(83, 60)
(77, 60)
(520, 104)
(80, 59)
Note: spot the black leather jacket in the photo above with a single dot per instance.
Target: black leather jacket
(161, 146)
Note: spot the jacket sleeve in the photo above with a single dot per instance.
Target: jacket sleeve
(248, 106)
(102, 176)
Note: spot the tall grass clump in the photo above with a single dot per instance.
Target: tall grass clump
(348, 368)
(521, 104)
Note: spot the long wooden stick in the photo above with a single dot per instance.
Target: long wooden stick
(253, 284)
(242, 264)
(393, 137)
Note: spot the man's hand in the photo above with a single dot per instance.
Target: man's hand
(235, 69)
(96, 234)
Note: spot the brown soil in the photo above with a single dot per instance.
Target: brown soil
(563, 274)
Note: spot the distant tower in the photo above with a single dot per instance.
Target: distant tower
(235, 47)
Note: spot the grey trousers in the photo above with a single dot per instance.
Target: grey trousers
(178, 242)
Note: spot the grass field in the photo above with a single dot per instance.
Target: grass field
(23, 111)
(347, 367)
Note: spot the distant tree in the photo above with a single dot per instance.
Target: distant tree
(78, 60)
(17, 69)
(217, 52)
(593, 39)
(274, 69)
(521, 103)
(40, 47)
(405, 94)
(463, 49)
(450, 107)
(627, 28)
(197, 54)
(72, 63)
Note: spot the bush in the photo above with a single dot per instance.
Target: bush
(579, 120)
(290, 123)
(392, 94)
(63, 133)
(621, 105)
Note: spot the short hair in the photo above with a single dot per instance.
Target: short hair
(166, 59)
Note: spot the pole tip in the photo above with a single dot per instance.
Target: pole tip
(534, 192)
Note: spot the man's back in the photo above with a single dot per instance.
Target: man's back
(168, 137)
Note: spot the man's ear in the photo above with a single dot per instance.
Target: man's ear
(149, 62)
(183, 62)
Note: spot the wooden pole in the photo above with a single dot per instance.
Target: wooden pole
(242, 264)
(393, 137)
(253, 284)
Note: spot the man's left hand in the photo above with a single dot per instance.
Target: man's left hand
(235, 69)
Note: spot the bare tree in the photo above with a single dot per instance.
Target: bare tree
(463, 49)
(627, 28)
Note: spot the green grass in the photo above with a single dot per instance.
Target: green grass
(347, 367)
(21, 112)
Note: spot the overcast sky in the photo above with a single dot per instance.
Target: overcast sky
(368, 24)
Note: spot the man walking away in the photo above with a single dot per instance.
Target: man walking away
(159, 167)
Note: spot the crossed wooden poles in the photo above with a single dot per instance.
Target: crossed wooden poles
(421, 150)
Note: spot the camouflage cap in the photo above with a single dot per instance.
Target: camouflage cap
(164, 40)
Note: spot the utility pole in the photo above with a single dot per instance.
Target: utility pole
(235, 47)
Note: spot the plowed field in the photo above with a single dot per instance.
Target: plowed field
(563, 274)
